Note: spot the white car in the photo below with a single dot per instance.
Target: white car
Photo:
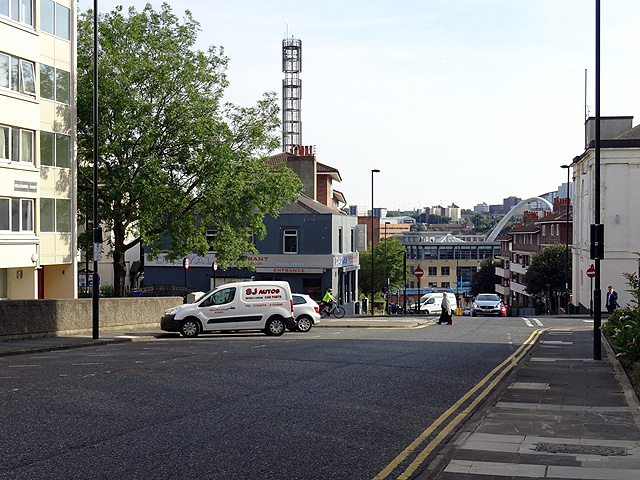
(306, 312)
(488, 304)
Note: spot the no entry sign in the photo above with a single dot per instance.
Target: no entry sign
(591, 272)
(418, 272)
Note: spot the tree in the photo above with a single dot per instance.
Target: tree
(484, 280)
(388, 263)
(546, 274)
(174, 159)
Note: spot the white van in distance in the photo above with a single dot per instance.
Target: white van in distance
(263, 305)
(432, 302)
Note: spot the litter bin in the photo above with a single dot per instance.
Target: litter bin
(357, 307)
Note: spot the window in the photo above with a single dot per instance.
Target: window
(290, 241)
(552, 230)
(16, 214)
(55, 19)
(55, 84)
(340, 241)
(55, 215)
(55, 150)
(18, 10)
(444, 271)
(16, 144)
(544, 229)
(432, 271)
(220, 297)
(353, 240)
(444, 285)
(17, 74)
(433, 284)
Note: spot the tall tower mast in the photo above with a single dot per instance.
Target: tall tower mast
(291, 93)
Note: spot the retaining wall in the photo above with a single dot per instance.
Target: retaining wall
(47, 318)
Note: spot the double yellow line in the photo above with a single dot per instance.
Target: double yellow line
(499, 372)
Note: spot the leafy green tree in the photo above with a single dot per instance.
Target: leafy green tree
(484, 280)
(388, 263)
(174, 158)
(546, 274)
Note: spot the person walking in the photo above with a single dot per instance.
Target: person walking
(445, 314)
(612, 300)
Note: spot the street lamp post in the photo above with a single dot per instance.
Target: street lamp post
(97, 232)
(386, 274)
(373, 230)
(566, 267)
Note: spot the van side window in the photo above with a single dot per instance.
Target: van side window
(221, 297)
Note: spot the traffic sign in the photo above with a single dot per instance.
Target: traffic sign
(418, 272)
(591, 272)
(215, 266)
(185, 263)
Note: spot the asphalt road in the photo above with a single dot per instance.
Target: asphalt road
(329, 404)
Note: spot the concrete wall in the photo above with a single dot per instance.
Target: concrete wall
(46, 318)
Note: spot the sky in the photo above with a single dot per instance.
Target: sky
(454, 101)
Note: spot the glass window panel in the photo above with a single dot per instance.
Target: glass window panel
(47, 16)
(27, 146)
(62, 21)
(4, 7)
(15, 214)
(27, 215)
(46, 214)
(15, 74)
(4, 142)
(15, 10)
(28, 77)
(27, 16)
(4, 214)
(15, 145)
(63, 152)
(63, 215)
(4, 70)
(46, 82)
(62, 86)
(3, 283)
(47, 148)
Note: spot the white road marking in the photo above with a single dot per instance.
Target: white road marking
(526, 320)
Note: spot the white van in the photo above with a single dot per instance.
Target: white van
(263, 305)
(432, 302)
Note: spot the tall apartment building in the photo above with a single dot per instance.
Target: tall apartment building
(37, 149)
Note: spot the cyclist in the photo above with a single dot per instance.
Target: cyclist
(327, 300)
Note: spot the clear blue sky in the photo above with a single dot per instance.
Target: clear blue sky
(455, 101)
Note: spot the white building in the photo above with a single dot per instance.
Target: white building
(454, 213)
(37, 149)
(619, 200)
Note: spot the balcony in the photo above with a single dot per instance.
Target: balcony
(502, 272)
(518, 288)
(502, 290)
(518, 268)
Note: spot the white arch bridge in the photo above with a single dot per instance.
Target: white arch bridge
(519, 208)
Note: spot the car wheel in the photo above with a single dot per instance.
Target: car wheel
(474, 314)
(275, 327)
(190, 328)
(304, 324)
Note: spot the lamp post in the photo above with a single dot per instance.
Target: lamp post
(597, 229)
(97, 231)
(386, 275)
(566, 267)
(373, 230)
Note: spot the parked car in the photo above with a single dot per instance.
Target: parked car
(263, 305)
(431, 303)
(488, 304)
(466, 312)
(306, 312)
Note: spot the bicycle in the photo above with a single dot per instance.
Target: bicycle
(332, 309)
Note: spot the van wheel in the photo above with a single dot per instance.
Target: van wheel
(275, 327)
(190, 328)
(304, 324)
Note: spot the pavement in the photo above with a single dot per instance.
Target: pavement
(559, 415)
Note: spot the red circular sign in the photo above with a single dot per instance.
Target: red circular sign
(215, 266)
(185, 263)
(418, 272)
(591, 272)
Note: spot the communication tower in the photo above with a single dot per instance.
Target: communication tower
(291, 93)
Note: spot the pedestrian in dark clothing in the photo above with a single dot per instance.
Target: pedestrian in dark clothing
(612, 300)
(445, 315)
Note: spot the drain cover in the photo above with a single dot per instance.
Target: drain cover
(581, 449)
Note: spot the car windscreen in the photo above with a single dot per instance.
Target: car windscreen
(487, 298)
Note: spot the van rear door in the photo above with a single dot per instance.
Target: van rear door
(219, 310)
